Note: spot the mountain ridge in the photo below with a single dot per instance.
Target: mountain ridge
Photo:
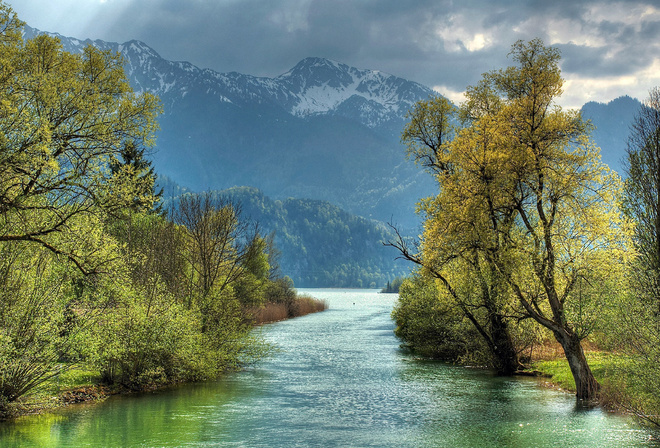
(313, 86)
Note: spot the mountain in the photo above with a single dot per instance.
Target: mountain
(612, 121)
(319, 244)
(323, 130)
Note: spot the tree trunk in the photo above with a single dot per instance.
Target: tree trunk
(586, 386)
(504, 351)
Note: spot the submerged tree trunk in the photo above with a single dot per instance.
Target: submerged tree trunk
(586, 386)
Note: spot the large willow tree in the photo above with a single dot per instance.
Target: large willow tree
(526, 206)
(467, 281)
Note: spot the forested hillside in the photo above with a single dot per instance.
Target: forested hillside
(320, 244)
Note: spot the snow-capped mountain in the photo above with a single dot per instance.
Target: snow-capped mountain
(314, 86)
(322, 130)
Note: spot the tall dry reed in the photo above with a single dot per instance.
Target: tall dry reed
(300, 306)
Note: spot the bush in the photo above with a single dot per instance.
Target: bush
(38, 329)
(433, 328)
(138, 346)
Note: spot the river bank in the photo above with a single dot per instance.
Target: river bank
(337, 378)
(81, 384)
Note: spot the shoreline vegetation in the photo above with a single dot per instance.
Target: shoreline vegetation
(620, 391)
(96, 270)
(84, 385)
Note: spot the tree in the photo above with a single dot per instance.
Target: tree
(526, 206)
(566, 230)
(429, 129)
(218, 245)
(429, 137)
(642, 195)
(134, 178)
(63, 118)
(637, 326)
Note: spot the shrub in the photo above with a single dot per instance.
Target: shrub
(432, 328)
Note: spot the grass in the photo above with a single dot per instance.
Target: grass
(74, 385)
(73, 378)
(602, 365)
(306, 305)
(626, 385)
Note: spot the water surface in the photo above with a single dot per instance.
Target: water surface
(339, 379)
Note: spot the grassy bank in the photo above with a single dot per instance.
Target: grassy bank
(622, 388)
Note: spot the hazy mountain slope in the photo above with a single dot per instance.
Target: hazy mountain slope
(612, 121)
(321, 245)
(323, 130)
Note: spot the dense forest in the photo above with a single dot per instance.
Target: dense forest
(531, 241)
(93, 270)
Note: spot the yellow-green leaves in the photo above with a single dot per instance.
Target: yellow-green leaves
(63, 118)
(426, 136)
(525, 208)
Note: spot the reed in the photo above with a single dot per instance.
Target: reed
(307, 305)
(276, 311)
(270, 312)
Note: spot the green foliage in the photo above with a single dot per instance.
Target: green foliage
(134, 178)
(433, 327)
(250, 287)
(393, 286)
(41, 319)
(88, 273)
(139, 345)
(64, 118)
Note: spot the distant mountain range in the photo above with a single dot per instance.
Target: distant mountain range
(323, 131)
(612, 122)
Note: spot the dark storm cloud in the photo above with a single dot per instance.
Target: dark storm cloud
(445, 43)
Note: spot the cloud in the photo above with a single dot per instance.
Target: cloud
(607, 46)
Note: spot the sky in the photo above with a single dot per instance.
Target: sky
(608, 48)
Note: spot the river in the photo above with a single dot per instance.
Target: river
(338, 379)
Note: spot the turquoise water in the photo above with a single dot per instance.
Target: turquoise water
(338, 379)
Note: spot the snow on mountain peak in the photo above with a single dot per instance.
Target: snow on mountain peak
(313, 86)
(322, 86)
